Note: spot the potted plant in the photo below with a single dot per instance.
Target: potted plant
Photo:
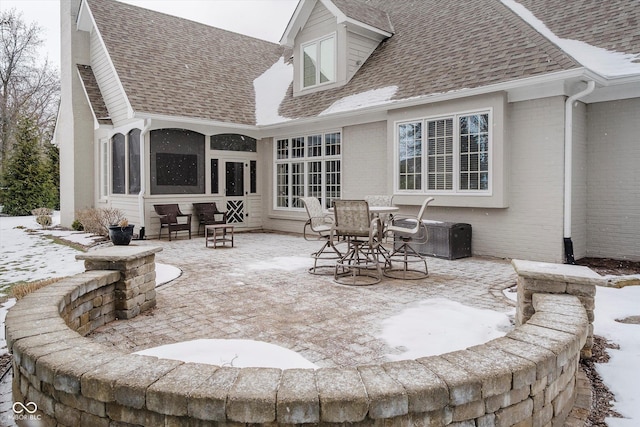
(121, 233)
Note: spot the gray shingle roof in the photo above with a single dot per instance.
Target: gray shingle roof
(177, 67)
(611, 25)
(94, 94)
(441, 46)
(365, 13)
(173, 66)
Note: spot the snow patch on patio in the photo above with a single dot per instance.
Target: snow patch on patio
(439, 325)
(231, 352)
(289, 263)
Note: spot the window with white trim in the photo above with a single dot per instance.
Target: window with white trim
(125, 164)
(307, 166)
(118, 163)
(319, 62)
(446, 154)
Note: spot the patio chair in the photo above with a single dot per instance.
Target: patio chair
(408, 229)
(208, 214)
(359, 265)
(319, 224)
(169, 218)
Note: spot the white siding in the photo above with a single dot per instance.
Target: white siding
(254, 211)
(358, 50)
(320, 22)
(112, 93)
(613, 216)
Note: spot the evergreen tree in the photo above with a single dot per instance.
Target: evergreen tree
(27, 184)
(52, 166)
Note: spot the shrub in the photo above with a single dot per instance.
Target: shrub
(77, 225)
(98, 220)
(43, 216)
(22, 289)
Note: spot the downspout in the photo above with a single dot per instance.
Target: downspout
(143, 178)
(568, 164)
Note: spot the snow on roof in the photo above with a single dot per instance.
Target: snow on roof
(366, 99)
(602, 61)
(271, 88)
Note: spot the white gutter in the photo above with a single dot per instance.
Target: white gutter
(568, 163)
(143, 175)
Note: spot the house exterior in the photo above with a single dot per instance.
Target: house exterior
(518, 117)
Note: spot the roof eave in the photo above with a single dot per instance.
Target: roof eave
(297, 21)
(560, 77)
(205, 126)
(365, 29)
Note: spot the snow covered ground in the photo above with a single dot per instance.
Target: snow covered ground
(31, 255)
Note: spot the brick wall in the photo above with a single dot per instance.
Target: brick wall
(527, 377)
(613, 192)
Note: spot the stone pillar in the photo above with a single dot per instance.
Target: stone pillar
(135, 291)
(545, 278)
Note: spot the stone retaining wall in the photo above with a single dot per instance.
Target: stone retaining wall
(539, 277)
(526, 378)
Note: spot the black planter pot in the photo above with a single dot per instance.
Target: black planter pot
(121, 235)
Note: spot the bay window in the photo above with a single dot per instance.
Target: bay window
(307, 166)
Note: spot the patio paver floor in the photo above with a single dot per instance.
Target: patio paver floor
(230, 293)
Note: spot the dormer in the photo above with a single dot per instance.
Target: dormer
(331, 39)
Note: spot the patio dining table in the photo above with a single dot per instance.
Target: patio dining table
(377, 210)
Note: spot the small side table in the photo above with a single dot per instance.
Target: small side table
(219, 234)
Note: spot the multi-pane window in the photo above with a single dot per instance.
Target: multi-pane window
(474, 152)
(449, 154)
(319, 62)
(410, 155)
(282, 185)
(308, 166)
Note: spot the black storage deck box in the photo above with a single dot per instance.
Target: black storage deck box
(447, 240)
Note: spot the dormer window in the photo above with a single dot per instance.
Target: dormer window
(319, 62)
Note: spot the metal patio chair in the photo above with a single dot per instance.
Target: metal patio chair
(408, 229)
(318, 227)
(359, 265)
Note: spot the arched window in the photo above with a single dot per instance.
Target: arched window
(118, 164)
(233, 142)
(134, 161)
